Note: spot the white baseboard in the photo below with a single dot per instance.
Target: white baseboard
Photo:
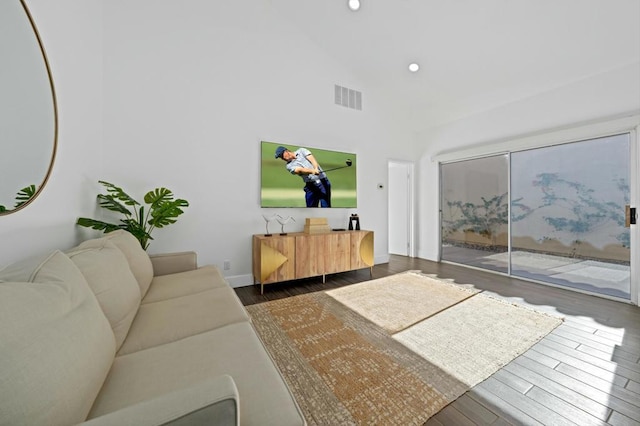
(428, 255)
(236, 281)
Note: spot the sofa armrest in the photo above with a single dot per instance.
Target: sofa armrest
(213, 402)
(172, 263)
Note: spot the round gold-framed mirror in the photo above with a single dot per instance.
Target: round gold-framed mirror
(28, 109)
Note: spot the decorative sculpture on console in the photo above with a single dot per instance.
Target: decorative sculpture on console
(283, 221)
(268, 219)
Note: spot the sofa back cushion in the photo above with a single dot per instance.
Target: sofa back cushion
(56, 346)
(138, 259)
(107, 272)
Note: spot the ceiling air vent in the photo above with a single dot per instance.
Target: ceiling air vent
(348, 98)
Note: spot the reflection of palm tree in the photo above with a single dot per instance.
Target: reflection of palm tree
(586, 212)
(484, 218)
(22, 196)
(284, 220)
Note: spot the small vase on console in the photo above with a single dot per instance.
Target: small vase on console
(354, 220)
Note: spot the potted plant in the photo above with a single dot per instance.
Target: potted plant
(162, 211)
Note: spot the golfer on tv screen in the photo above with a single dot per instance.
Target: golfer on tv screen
(317, 188)
(331, 185)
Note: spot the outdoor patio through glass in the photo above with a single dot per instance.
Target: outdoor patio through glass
(554, 214)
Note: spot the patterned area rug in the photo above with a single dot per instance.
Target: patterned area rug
(345, 369)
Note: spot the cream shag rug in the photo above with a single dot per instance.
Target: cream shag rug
(399, 301)
(475, 338)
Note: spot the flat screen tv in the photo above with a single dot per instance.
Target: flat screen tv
(289, 178)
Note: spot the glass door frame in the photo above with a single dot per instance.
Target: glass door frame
(622, 125)
(635, 200)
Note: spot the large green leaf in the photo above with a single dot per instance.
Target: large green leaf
(158, 196)
(97, 224)
(165, 213)
(110, 202)
(119, 194)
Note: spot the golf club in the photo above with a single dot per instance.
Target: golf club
(348, 164)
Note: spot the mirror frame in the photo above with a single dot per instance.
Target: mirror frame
(55, 115)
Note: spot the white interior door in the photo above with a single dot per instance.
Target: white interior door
(400, 208)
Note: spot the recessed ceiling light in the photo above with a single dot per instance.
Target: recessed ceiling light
(354, 4)
(413, 67)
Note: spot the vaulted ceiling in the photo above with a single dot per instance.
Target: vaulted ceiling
(474, 55)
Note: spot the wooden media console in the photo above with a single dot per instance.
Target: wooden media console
(278, 258)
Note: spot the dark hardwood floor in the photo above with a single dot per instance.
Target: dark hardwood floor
(585, 372)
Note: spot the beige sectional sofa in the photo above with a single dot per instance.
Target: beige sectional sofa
(105, 334)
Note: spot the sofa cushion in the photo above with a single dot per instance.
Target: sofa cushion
(184, 283)
(56, 346)
(235, 350)
(138, 259)
(212, 402)
(107, 271)
(172, 263)
(169, 320)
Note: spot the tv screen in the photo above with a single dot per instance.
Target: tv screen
(289, 177)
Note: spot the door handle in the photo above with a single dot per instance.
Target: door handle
(630, 216)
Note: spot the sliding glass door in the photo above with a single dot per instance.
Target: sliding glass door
(554, 214)
(568, 215)
(475, 212)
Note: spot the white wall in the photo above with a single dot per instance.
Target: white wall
(71, 31)
(609, 94)
(192, 87)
